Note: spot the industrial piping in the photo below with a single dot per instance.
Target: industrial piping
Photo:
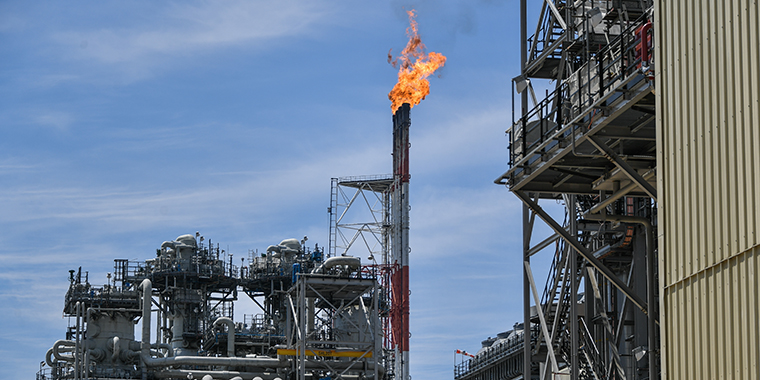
(352, 262)
(147, 288)
(230, 334)
(651, 321)
(57, 350)
(148, 361)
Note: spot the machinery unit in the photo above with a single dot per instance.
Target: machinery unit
(590, 145)
(319, 317)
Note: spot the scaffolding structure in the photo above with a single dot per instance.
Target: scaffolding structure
(589, 144)
(370, 215)
(335, 323)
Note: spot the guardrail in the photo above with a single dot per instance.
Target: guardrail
(604, 72)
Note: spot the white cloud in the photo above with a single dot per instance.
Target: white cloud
(187, 28)
(129, 207)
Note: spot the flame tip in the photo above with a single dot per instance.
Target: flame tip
(414, 68)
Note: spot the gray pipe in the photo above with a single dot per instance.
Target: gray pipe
(77, 348)
(96, 354)
(165, 346)
(230, 334)
(49, 359)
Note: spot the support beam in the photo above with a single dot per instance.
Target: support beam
(624, 166)
(545, 243)
(542, 320)
(619, 194)
(555, 11)
(606, 272)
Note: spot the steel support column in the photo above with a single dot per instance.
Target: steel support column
(650, 311)
(527, 226)
(635, 298)
(527, 349)
(573, 257)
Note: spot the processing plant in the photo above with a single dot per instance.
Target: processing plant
(319, 317)
(647, 136)
(323, 313)
(591, 145)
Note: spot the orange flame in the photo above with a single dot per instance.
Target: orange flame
(413, 86)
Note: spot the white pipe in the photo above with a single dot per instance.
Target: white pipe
(215, 375)
(57, 351)
(229, 375)
(230, 334)
(116, 349)
(147, 288)
(214, 361)
(352, 262)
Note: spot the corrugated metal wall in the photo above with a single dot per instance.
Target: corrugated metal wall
(708, 119)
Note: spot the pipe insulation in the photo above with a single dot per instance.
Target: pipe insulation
(213, 375)
(57, 350)
(352, 262)
(230, 334)
(215, 361)
(231, 375)
(147, 289)
(49, 358)
(116, 348)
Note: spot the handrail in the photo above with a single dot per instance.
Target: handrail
(578, 92)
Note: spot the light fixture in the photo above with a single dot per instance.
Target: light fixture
(521, 83)
(595, 16)
(639, 353)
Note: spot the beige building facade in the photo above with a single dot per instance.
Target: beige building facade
(708, 154)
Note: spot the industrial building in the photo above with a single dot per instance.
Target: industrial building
(324, 314)
(649, 137)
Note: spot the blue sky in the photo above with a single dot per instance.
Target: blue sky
(124, 124)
